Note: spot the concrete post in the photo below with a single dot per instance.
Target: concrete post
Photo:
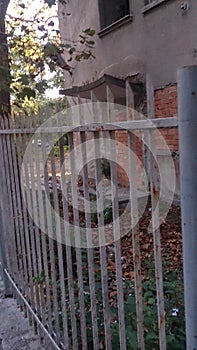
(187, 111)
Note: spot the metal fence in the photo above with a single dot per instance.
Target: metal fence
(63, 223)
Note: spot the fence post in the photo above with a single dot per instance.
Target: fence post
(187, 106)
(7, 288)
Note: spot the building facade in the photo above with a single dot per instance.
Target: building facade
(134, 38)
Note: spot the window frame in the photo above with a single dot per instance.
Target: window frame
(116, 24)
(151, 5)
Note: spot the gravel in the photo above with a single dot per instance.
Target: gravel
(15, 331)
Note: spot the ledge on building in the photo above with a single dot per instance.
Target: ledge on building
(98, 87)
(152, 5)
(115, 25)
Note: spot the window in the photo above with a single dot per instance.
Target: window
(112, 11)
(151, 4)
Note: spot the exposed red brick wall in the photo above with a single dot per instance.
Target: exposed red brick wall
(166, 105)
(171, 138)
(122, 157)
(166, 102)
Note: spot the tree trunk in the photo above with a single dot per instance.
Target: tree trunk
(4, 63)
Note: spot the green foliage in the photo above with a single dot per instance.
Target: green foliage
(174, 306)
(40, 278)
(89, 31)
(35, 47)
(40, 103)
(57, 152)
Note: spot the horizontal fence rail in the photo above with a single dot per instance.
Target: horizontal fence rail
(158, 123)
(72, 201)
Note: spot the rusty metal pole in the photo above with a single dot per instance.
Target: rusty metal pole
(187, 110)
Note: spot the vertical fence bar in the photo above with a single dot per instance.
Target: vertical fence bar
(10, 211)
(39, 217)
(51, 244)
(40, 240)
(19, 141)
(43, 227)
(16, 175)
(59, 235)
(90, 249)
(101, 232)
(187, 105)
(67, 232)
(154, 188)
(3, 258)
(134, 219)
(36, 234)
(77, 241)
(102, 242)
(49, 260)
(6, 241)
(30, 187)
(116, 223)
(53, 272)
(13, 199)
(101, 223)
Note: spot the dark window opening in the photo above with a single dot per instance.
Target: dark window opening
(112, 10)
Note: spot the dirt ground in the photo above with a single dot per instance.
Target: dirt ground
(171, 242)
